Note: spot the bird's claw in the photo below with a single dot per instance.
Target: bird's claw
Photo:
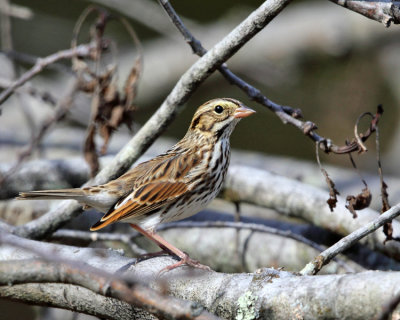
(185, 260)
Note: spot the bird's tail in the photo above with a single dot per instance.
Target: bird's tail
(52, 194)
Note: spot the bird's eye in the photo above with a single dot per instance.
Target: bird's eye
(218, 109)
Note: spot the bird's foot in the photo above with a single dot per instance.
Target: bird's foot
(185, 260)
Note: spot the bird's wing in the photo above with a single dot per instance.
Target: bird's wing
(154, 184)
(149, 197)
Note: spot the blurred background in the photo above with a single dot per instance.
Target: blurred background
(330, 62)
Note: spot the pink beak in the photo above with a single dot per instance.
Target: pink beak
(243, 112)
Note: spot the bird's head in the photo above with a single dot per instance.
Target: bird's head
(218, 117)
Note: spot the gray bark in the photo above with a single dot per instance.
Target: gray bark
(266, 293)
(73, 298)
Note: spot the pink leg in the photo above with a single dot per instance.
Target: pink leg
(163, 244)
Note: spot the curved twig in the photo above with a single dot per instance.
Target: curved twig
(363, 148)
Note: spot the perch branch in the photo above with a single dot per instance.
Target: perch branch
(60, 270)
(73, 298)
(36, 271)
(219, 293)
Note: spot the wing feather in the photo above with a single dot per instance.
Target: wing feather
(149, 197)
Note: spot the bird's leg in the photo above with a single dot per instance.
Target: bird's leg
(166, 246)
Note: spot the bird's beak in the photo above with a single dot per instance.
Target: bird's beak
(243, 112)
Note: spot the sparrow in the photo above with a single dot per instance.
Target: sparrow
(172, 186)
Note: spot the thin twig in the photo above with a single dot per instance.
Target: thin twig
(45, 96)
(5, 25)
(326, 256)
(285, 113)
(41, 63)
(239, 226)
(385, 12)
(333, 192)
(7, 45)
(99, 236)
(60, 112)
(27, 58)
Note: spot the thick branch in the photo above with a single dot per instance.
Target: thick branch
(74, 298)
(33, 271)
(267, 292)
(60, 269)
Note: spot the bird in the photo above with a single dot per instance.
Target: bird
(172, 186)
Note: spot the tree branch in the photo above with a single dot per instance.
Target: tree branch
(36, 271)
(60, 112)
(98, 236)
(74, 298)
(324, 257)
(266, 293)
(59, 269)
(41, 63)
(385, 12)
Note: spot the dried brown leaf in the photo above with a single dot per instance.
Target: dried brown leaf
(361, 201)
(131, 84)
(110, 107)
(333, 193)
(385, 197)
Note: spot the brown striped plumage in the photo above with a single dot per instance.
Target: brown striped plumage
(172, 186)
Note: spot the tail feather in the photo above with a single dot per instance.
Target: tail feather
(51, 194)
